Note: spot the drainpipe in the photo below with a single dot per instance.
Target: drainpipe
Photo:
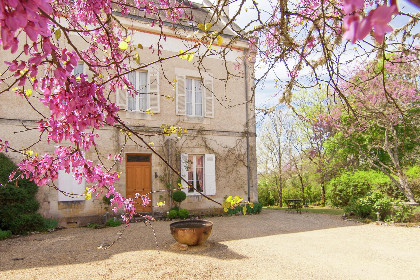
(247, 127)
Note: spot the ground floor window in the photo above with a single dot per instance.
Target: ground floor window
(199, 170)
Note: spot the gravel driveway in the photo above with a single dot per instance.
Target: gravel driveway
(272, 245)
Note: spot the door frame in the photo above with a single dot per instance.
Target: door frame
(151, 173)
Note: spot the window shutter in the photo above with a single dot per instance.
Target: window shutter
(122, 99)
(210, 174)
(184, 172)
(153, 89)
(209, 100)
(67, 183)
(180, 95)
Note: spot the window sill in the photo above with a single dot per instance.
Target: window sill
(137, 115)
(194, 119)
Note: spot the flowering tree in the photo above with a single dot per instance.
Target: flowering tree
(40, 37)
(383, 128)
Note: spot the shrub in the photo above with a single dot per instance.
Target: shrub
(179, 196)
(173, 214)
(183, 213)
(389, 210)
(18, 205)
(5, 234)
(401, 212)
(107, 200)
(249, 210)
(50, 224)
(112, 222)
(94, 226)
(353, 185)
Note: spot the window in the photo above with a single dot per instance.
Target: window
(145, 93)
(79, 69)
(200, 173)
(194, 97)
(138, 99)
(68, 184)
(195, 173)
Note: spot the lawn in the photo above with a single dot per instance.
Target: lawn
(313, 209)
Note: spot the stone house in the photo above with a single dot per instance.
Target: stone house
(217, 154)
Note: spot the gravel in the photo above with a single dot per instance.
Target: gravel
(272, 245)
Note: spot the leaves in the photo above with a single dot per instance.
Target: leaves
(205, 27)
(219, 40)
(57, 34)
(187, 56)
(123, 45)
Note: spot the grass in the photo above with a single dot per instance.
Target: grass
(312, 209)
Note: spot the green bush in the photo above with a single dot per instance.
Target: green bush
(401, 212)
(5, 234)
(353, 185)
(50, 224)
(18, 205)
(173, 214)
(249, 210)
(389, 209)
(112, 222)
(183, 213)
(179, 196)
(267, 194)
(107, 200)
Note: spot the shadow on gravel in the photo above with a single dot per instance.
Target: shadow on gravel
(80, 245)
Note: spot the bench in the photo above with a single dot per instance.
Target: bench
(294, 204)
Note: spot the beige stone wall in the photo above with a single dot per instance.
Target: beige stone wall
(224, 135)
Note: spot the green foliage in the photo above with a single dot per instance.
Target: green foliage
(183, 213)
(112, 222)
(389, 209)
(173, 214)
(5, 234)
(18, 205)
(353, 185)
(402, 212)
(267, 195)
(256, 209)
(107, 200)
(50, 223)
(179, 196)
(413, 174)
(94, 226)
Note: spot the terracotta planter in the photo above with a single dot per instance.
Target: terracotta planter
(191, 232)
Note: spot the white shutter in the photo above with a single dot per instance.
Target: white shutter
(180, 95)
(209, 99)
(153, 89)
(210, 174)
(184, 172)
(67, 183)
(121, 99)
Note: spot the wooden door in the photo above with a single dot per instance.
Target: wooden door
(139, 179)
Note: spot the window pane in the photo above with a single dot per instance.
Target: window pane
(131, 94)
(191, 173)
(78, 69)
(188, 92)
(199, 173)
(143, 106)
(138, 158)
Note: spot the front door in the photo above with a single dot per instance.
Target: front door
(139, 179)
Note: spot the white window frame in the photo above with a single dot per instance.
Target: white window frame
(209, 173)
(195, 180)
(142, 93)
(193, 94)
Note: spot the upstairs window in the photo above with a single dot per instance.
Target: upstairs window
(137, 100)
(194, 97)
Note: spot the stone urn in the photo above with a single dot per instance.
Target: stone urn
(191, 232)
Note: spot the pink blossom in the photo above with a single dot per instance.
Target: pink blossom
(350, 6)
(381, 16)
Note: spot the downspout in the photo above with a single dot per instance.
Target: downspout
(247, 127)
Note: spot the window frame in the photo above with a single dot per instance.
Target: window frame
(139, 94)
(194, 103)
(195, 174)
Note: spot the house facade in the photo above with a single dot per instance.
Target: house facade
(206, 103)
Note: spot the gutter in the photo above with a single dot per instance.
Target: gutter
(247, 128)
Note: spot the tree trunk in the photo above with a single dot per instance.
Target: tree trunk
(322, 190)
